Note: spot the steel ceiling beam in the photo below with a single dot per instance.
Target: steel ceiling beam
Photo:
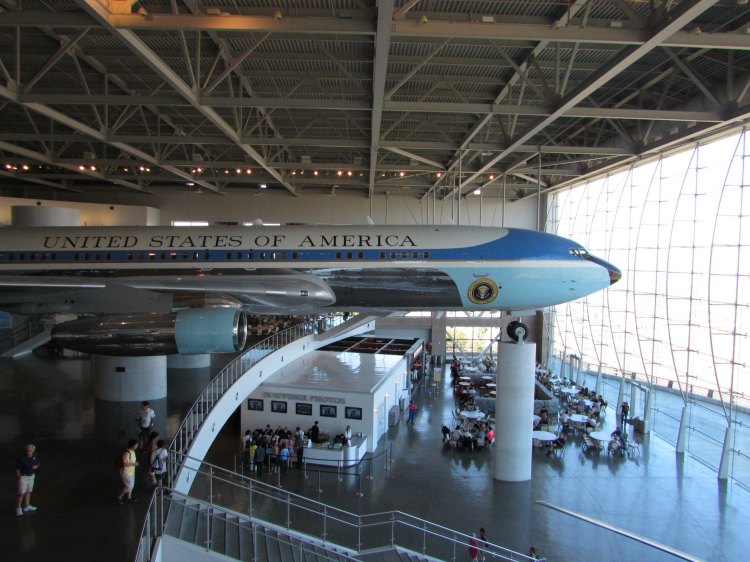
(96, 135)
(333, 104)
(566, 18)
(680, 16)
(379, 69)
(404, 28)
(137, 46)
(43, 158)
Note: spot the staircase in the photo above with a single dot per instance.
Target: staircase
(241, 537)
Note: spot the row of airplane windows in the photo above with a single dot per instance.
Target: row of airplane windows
(198, 256)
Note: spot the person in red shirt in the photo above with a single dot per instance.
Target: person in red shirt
(473, 552)
(412, 412)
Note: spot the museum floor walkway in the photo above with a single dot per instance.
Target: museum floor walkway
(672, 499)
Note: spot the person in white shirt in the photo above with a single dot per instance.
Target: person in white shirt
(145, 421)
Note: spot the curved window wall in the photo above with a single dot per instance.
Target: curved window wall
(678, 319)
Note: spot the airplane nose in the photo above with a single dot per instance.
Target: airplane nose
(614, 274)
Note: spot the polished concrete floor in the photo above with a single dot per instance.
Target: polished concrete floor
(672, 499)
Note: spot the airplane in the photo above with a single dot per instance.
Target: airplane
(157, 290)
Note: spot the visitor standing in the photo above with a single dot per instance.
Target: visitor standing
(412, 411)
(145, 421)
(127, 464)
(26, 467)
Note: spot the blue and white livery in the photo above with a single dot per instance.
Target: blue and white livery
(290, 270)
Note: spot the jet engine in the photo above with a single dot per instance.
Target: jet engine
(191, 331)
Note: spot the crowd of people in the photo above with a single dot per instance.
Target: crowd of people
(276, 449)
(469, 435)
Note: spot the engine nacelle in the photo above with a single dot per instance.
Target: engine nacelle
(191, 332)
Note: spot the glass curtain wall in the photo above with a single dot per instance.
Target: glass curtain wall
(678, 320)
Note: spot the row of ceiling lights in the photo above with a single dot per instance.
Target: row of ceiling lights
(200, 170)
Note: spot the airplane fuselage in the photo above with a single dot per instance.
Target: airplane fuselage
(342, 267)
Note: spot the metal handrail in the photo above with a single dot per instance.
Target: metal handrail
(219, 385)
(420, 535)
(154, 526)
(340, 470)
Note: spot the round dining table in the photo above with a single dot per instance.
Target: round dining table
(544, 436)
(578, 418)
(491, 385)
(570, 390)
(464, 383)
(488, 378)
(472, 414)
(601, 436)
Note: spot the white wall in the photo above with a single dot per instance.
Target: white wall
(339, 209)
(92, 214)
(162, 208)
(333, 426)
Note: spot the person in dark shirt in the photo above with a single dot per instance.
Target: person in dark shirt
(314, 433)
(26, 467)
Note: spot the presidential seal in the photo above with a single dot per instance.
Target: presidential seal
(483, 291)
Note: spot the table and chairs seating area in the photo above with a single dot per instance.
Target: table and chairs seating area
(615, 443)
(471, 429)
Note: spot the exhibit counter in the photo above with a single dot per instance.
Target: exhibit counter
(330, 454)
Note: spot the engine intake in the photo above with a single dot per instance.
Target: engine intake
(190, 332)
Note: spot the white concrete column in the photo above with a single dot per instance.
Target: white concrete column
(579, 370)
(563, 357)
(648, 414)
(682, 432)
(198, 361)
(726, 455)
(129, 379)
(621, 393)
(120, 385)
(36, 215)
(514, 408)
(635, 391)
(438, 325)
(598, 388)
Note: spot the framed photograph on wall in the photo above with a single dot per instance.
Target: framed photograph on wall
(255, 404)
(278, 407)
(353, 413)
(304, 409)
(327, 411)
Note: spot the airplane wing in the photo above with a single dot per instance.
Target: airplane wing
(50, 293)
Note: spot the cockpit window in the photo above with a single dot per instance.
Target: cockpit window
(580, 253)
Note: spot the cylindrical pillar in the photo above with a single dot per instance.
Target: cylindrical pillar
(682, 432)
(36, 215)
(579, 370)
(120, 385)
(198, 361)
(598, 387)
(129, 379)
(514, 408)
(621, 393)
(635, 391)
(726, 455)
(438, 326)
(648, 414)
